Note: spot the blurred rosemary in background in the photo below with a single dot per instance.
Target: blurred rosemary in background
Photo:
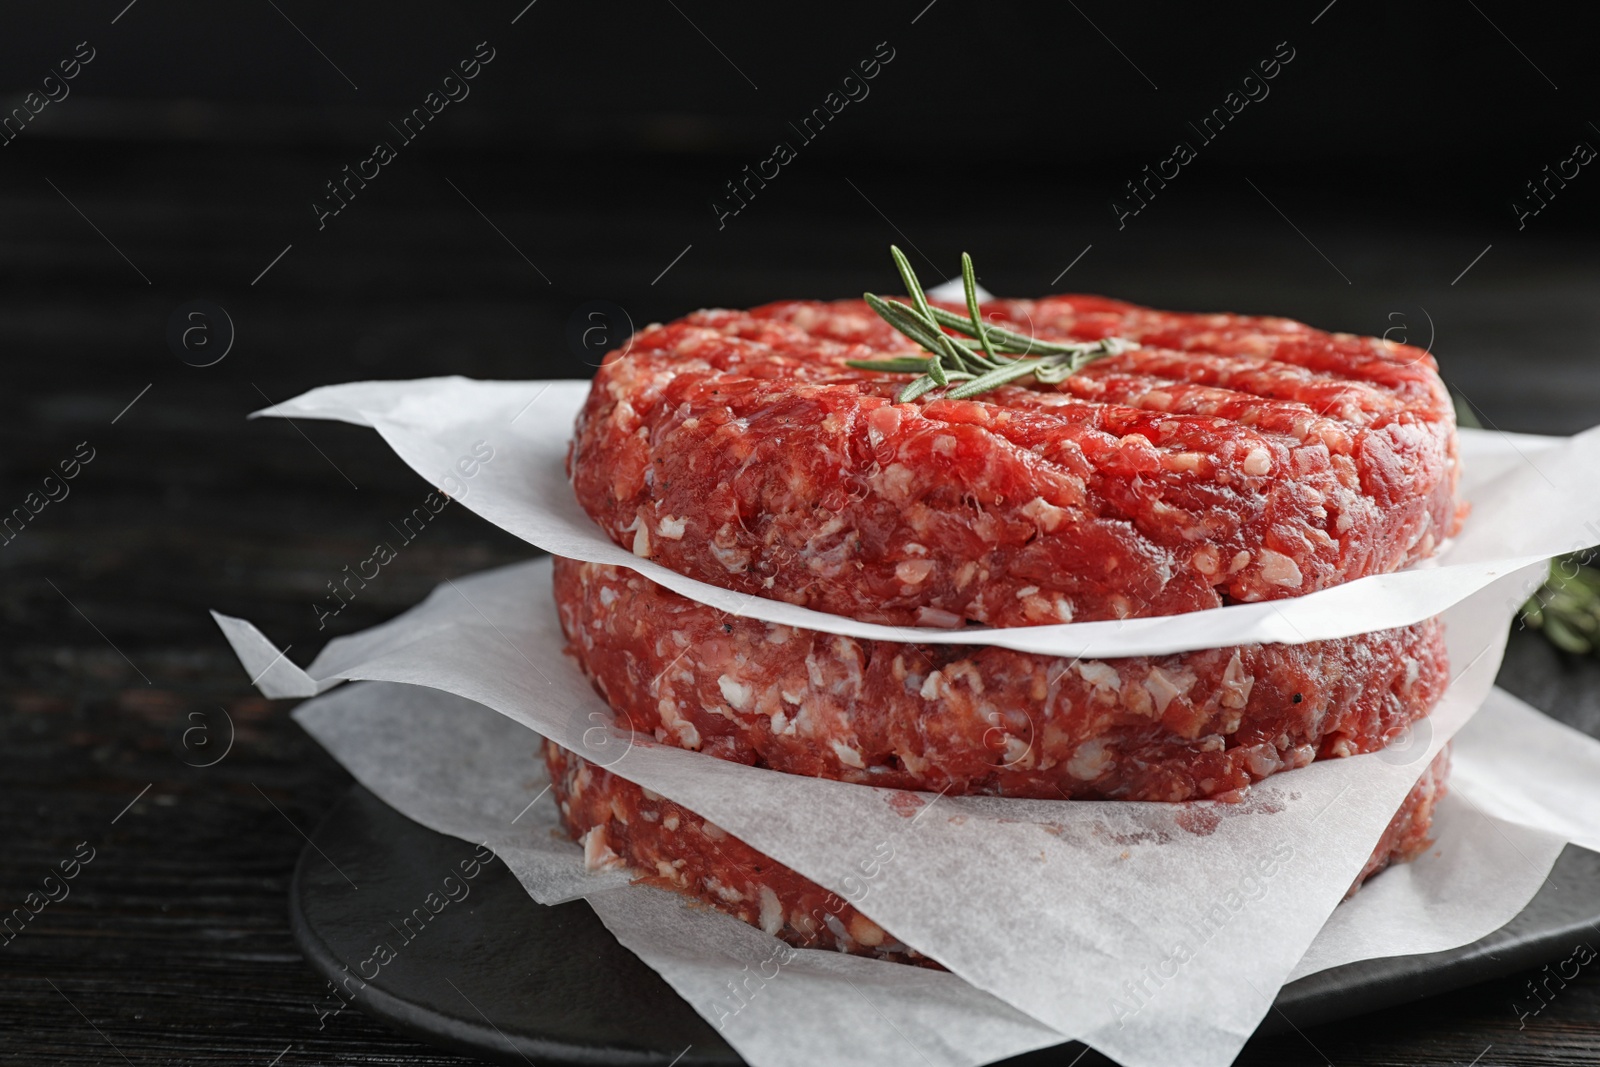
(1566, 608)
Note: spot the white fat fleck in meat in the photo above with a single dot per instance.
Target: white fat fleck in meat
(848, 756)
(728, 894)
(1040, 609)
(1263, 760)
(608, 596)
(597, 852)
(838, 669)
(712, 830)
(1165, 686)
(1044, 514)
(1278, 569)
(944, 445)
(1026, 591)
(937, 617)
(831, 921)
(895, 482)
(882, 422)
(1258, 462)
(725, 549)
(1236, 684)
(930, 686)
(688, 736)
(1241, 559)
(671, 528)
(1090, 760)
(641, 542)
(913, 571)
(771, 911)
(736, 693)
(1206, 560)
(670, 820)
(718, 709)
(1100, 675)
(865, 931)
(1138, 448)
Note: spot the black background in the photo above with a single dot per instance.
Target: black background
(1372, 190)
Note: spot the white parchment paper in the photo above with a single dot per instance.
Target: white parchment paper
(1531, 497)
(1158, 933)
(462, 769)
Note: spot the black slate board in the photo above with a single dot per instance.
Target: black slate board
(499, 976)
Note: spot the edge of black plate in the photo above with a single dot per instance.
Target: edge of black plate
(1562, 913)
(397, 996)
(1567, 905)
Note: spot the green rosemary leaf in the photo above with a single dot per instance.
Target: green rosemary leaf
(976, 363)
(928, 334)
(915, 389)
(1566, 609)
(913, 287)
(1565, 638)
(1054, 373)
(994, 379)
(969, 285)
(903, 365)
(1011, 341)
(905, 320)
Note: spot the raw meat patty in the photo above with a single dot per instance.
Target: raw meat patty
(620, 824)
(984, 719)
(1231, 458)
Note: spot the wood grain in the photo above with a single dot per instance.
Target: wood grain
(173, 945)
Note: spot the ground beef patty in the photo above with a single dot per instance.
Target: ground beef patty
(985, 719)
(1230, 458)
(623, 825)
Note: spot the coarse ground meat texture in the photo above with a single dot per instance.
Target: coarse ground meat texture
(982, 719)
(621, 824)
(1229, 459)
(1407, 835)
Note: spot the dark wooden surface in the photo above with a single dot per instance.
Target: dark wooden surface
(173, 946)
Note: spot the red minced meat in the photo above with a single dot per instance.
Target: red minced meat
(1229, 459)
(621, 824)
(982, 719)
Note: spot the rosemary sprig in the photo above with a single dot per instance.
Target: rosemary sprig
(978, 360)
(1566, 609)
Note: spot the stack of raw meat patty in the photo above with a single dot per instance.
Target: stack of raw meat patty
(1226, 459)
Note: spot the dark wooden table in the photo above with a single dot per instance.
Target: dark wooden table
(173, 946)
